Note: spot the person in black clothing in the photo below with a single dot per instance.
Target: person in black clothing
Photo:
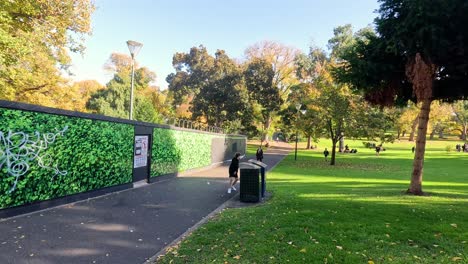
(325, 153)
(259, 154)
(233, 168)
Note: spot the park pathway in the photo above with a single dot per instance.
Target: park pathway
(125, 227)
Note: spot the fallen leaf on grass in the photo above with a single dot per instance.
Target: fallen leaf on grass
(370, 262)
(339, 247)
(303, 250)
(237, 257)
(454, 225)
(456, 258)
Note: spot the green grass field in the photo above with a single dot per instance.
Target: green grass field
(354, 212)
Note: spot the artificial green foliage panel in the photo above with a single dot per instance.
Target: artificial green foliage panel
(44, 156)
(175, 150)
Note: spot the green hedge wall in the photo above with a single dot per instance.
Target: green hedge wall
(175, 150)
(87, 155)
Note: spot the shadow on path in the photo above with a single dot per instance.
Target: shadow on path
(125, 227)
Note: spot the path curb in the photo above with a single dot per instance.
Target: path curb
(205, 219)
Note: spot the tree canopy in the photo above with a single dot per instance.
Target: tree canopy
(214, 85)
(35, 37)
(419, 52)
(114, 100)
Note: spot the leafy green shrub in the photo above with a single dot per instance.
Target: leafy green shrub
(175, 150)
(88, 155)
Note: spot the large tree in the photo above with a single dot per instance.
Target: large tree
(440, 119)
(114, 100)
(193, 71)
(342, 39)
(214, 86)
(259, 77)
(281, 61)
(222, 97)
(420, 52)
(460, 116)
(407, 121)
(281, 58)
(35, 38)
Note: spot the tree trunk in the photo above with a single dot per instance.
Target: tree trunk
(399, 133)
(341, 145)
(413, 129)
(334, 139)
(333, 154)
(463, 135)
(431, 137)
(417, 175)
(403, 133)
(441, 133)
(421, 71)
(267, 127)
(308, 142)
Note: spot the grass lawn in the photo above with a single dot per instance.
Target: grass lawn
(251, 149)
(354, 212)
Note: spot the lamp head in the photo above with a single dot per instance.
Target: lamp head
(134, 47)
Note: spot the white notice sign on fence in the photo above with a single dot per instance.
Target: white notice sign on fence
(140, 158)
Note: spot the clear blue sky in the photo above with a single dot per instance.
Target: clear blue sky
(169, 26)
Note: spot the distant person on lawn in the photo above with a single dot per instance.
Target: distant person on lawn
(378, 149)
(259, 154)
(325, 153)
(233, 175)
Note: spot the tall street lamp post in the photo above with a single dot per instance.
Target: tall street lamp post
(134, 47)
(298, 107)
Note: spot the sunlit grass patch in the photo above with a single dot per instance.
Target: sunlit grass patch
(354, 212)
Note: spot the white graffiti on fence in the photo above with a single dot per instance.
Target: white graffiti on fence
(18, 149)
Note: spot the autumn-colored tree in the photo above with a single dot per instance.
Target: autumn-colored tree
(82, 91)
(35, 37)
(282, 60)
(408, 120)
(440, 119)
(460, 116)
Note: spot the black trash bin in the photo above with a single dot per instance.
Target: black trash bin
(262, 173)
(250, 186)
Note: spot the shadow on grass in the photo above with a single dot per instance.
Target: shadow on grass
(376, 188)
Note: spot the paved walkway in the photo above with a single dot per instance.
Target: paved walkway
(126, 227)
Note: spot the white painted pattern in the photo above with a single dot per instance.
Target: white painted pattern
(18, 149)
